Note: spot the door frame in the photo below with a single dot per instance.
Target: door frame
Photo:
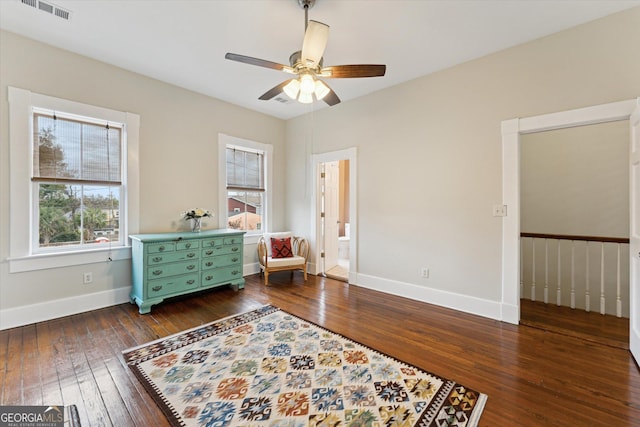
(511, 131)
(316, 232)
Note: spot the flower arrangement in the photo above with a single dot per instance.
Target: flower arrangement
(195, 213)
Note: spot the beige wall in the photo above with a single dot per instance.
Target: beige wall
(178, 154)
(576, 181)
(430, 155)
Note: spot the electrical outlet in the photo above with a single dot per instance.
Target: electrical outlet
(87, 278)
(424, 273)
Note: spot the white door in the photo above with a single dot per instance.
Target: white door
(331, 212)
(634, 236)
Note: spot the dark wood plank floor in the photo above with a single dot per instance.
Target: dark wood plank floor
(532, 377)
(591, 326)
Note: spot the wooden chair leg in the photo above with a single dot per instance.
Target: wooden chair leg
(304, 272)
(266, 278)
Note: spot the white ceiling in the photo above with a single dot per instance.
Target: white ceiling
(183, 42)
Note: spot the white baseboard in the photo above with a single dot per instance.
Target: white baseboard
(28, 314)
(464, 303)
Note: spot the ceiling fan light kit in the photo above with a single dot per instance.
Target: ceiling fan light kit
(307, 65)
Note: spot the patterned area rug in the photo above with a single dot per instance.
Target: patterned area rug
(270, 368)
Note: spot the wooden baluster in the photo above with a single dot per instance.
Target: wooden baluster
(587, 301)
(558, 292)
(546, 271)
(602, 300)
(533, 270)
(573, 274)
(618, 300)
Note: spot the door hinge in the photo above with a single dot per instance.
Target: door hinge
(322, 174)
(321, 254)
(321, 214)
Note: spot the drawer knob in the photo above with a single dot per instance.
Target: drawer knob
(191, 267)
(191, 282)
(208, 278)
(157, 259)
(157, 272)
(191, 255)
(208, 252)
(234, 249)
(209, 264)
(161, 248)
(234, 259)
(235, 272)
(156, 288)
(188, 245)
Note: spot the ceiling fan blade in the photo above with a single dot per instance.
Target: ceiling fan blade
(352, 71)
(331, 98)
(274, 91)
(256, 61)
(315, 41)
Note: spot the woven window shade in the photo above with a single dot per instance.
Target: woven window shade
(245, 170)
(74, 151)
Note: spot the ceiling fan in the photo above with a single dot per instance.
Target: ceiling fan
(307, 66)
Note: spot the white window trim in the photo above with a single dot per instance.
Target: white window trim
(21, 253)
(223, 141)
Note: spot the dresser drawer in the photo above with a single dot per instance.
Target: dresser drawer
(185, 245)
(172, 285)
(236, 249)
(232, 240)
(212, 243)
(154, 248)
(164, 270)
(163, 258)
(219, 261)
(219, 275)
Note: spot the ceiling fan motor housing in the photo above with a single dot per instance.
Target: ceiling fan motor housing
(296, 62)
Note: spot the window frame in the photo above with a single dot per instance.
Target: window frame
(267, 149)
(23, 256)
(37, 181)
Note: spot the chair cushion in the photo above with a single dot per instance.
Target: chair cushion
(283, 262)
(281, 247)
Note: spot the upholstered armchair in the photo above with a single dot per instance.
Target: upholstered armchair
(282, 252)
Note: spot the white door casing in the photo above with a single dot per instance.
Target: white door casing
(315, 226)
(331, 208)
(634, 233)
(511, 131)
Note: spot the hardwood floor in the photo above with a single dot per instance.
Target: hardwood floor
(532, 377)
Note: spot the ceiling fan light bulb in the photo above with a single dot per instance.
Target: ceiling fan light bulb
(292, 88)
(321, 90)
(305, 98)
(307, 84)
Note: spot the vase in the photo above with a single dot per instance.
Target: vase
(196, 224)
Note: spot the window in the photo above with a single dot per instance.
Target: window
(244, 174)
(77, 177)
(73, 187)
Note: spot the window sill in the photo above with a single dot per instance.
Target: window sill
(67, 259)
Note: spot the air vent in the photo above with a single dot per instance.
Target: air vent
(282, 100)
(49, 8)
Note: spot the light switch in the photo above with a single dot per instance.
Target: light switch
(500, 210)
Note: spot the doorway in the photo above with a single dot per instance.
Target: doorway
(334, 214)
(511, 131)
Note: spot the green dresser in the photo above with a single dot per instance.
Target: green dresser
(170, 264)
